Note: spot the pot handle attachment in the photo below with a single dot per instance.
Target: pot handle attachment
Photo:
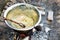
(41, 27)
(46, 29)
(41, 10)
(38, 28)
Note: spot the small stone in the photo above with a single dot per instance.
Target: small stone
(14, 1)
(50, 15)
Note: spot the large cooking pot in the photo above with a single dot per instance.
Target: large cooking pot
(22, 29)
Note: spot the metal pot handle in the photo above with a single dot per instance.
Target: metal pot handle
(46, 29)
(38, 28)
(43, 28)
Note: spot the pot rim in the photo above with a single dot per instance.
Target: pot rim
(22, 29)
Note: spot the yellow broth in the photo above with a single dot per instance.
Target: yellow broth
(25, 15)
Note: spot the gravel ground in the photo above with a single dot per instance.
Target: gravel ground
(54, 34)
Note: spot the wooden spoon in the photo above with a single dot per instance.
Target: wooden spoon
(20, 24)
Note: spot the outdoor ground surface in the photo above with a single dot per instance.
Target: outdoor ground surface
(55, 24)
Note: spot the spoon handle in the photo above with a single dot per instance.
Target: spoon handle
(20, 24)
